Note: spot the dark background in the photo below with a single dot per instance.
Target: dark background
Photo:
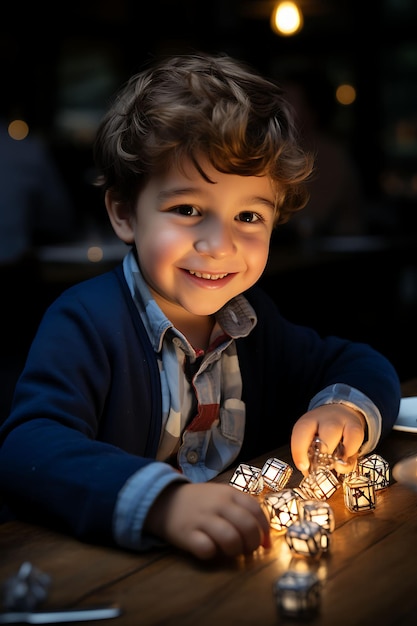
(61, 65)
(69, 60)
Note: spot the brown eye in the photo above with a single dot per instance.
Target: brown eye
(186, 209)
(249, 217)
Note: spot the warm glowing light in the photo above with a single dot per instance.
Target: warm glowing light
(319, 512)
(307, 538)
(247, 478)
(286, 18)
(281, 507)
(18, 129)
(346, 94)
(374, 467)
(319, 485)
(276, 473)
(359, 493)
(94, 254)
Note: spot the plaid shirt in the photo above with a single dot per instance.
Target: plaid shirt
(203, 413)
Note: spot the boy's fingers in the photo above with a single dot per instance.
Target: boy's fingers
(201, 545)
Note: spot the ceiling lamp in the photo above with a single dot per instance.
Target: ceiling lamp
(286, 18)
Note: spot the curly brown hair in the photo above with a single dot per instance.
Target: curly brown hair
(187, 106)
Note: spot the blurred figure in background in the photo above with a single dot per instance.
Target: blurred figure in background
(336, 201)
(35, 208)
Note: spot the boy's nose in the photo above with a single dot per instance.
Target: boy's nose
(215, 240)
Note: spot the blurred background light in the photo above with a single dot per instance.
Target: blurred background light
(18, 129)
(95, 254)
(345, 94)
(286, 18)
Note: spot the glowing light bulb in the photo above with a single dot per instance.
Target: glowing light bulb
(286, 18)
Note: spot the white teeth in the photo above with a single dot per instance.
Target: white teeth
(207, 276)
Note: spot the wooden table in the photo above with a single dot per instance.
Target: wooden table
(368, 577)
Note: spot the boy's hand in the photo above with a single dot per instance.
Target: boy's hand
(340, 427)
(209, 519)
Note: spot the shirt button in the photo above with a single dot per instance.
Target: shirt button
(192, 457)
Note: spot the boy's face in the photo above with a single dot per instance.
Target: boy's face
(200, 244)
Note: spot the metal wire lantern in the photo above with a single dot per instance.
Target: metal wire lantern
(247, 478)
(276, 473)
(297, 594)
(319, 512)
(320, 485)
(282, 508)
(376, 469)
(359, 493)
(307, 538)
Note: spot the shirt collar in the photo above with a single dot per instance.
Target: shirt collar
(236, 318)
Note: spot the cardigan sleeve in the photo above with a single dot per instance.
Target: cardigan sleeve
(86, 413)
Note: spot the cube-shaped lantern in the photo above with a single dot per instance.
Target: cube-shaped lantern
(247, 478)
(320, 485)
(306, 538)
(276, 473)
(318, 511)
(359, 493)
(297, 594)
(376, 469)
(281, 508)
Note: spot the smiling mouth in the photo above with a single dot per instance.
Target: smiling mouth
(207, 276)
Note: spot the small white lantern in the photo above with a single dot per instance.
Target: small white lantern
(320, 485)
(359, 493)
(276, 473)
(376, 469)
(297, 594)
(247, 478)
(319, 512)
(281, 508)
(307, 538)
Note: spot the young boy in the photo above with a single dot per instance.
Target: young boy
(144, 383)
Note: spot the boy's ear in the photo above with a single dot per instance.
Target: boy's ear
(121, 217)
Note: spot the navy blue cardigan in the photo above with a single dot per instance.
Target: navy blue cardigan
(87, 408)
